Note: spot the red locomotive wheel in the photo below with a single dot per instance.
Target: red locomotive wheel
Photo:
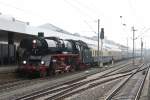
(43, 74)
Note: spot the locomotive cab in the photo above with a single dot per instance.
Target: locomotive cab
(84, 52)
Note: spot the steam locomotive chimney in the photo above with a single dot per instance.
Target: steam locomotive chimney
(40, 34)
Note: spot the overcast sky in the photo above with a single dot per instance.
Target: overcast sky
(80, 16)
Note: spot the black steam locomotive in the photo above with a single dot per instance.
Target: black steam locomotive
(41, 56)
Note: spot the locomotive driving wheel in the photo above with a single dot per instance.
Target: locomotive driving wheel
(43, 73)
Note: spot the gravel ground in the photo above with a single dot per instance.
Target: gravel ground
(129, 90)
(98, 92)
(94, 93)
(49, 83)
(145, 94)
(125, 69)
(8, 69)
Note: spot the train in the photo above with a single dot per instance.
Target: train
(44, 56)
(50, 55)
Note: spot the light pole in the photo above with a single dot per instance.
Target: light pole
(102, 37)
(145, 52)
(123, 24)
(101, 64)
(127, 49)
(98, 44)
(133, 42)
(141, 49)
(127, 41)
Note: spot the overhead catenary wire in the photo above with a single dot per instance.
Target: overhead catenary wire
(142, 33)
(86, 7)
(22, 10)
(82, 15)
(89, 9)
(78, 8)
(29, 13)
(134, 11)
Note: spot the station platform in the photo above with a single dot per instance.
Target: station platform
(8, 68)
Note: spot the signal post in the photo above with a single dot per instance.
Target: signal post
(102, 37)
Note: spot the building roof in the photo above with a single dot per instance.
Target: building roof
(9, 23)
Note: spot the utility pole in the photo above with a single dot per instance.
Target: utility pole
(127, 47)
(145, 54)
(133, 42)
(141, 50)
(101, 64)
(102, 37)
(98, 56)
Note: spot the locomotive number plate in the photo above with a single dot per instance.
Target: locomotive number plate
(35, 57)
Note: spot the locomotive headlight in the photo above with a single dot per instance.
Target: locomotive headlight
(54, 60)
(34, 41)
(42, 62)
(24, 62)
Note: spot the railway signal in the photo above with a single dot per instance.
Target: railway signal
(102, 33)
(102, 37)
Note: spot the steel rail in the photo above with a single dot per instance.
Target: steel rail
(137, 97)
(55, 86)
(109, 97)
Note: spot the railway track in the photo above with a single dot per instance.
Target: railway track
(119, 92)
(125, 72)
(61, 91)
(3, 82)
(26, 89)
(17, 83)
(64, 90)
